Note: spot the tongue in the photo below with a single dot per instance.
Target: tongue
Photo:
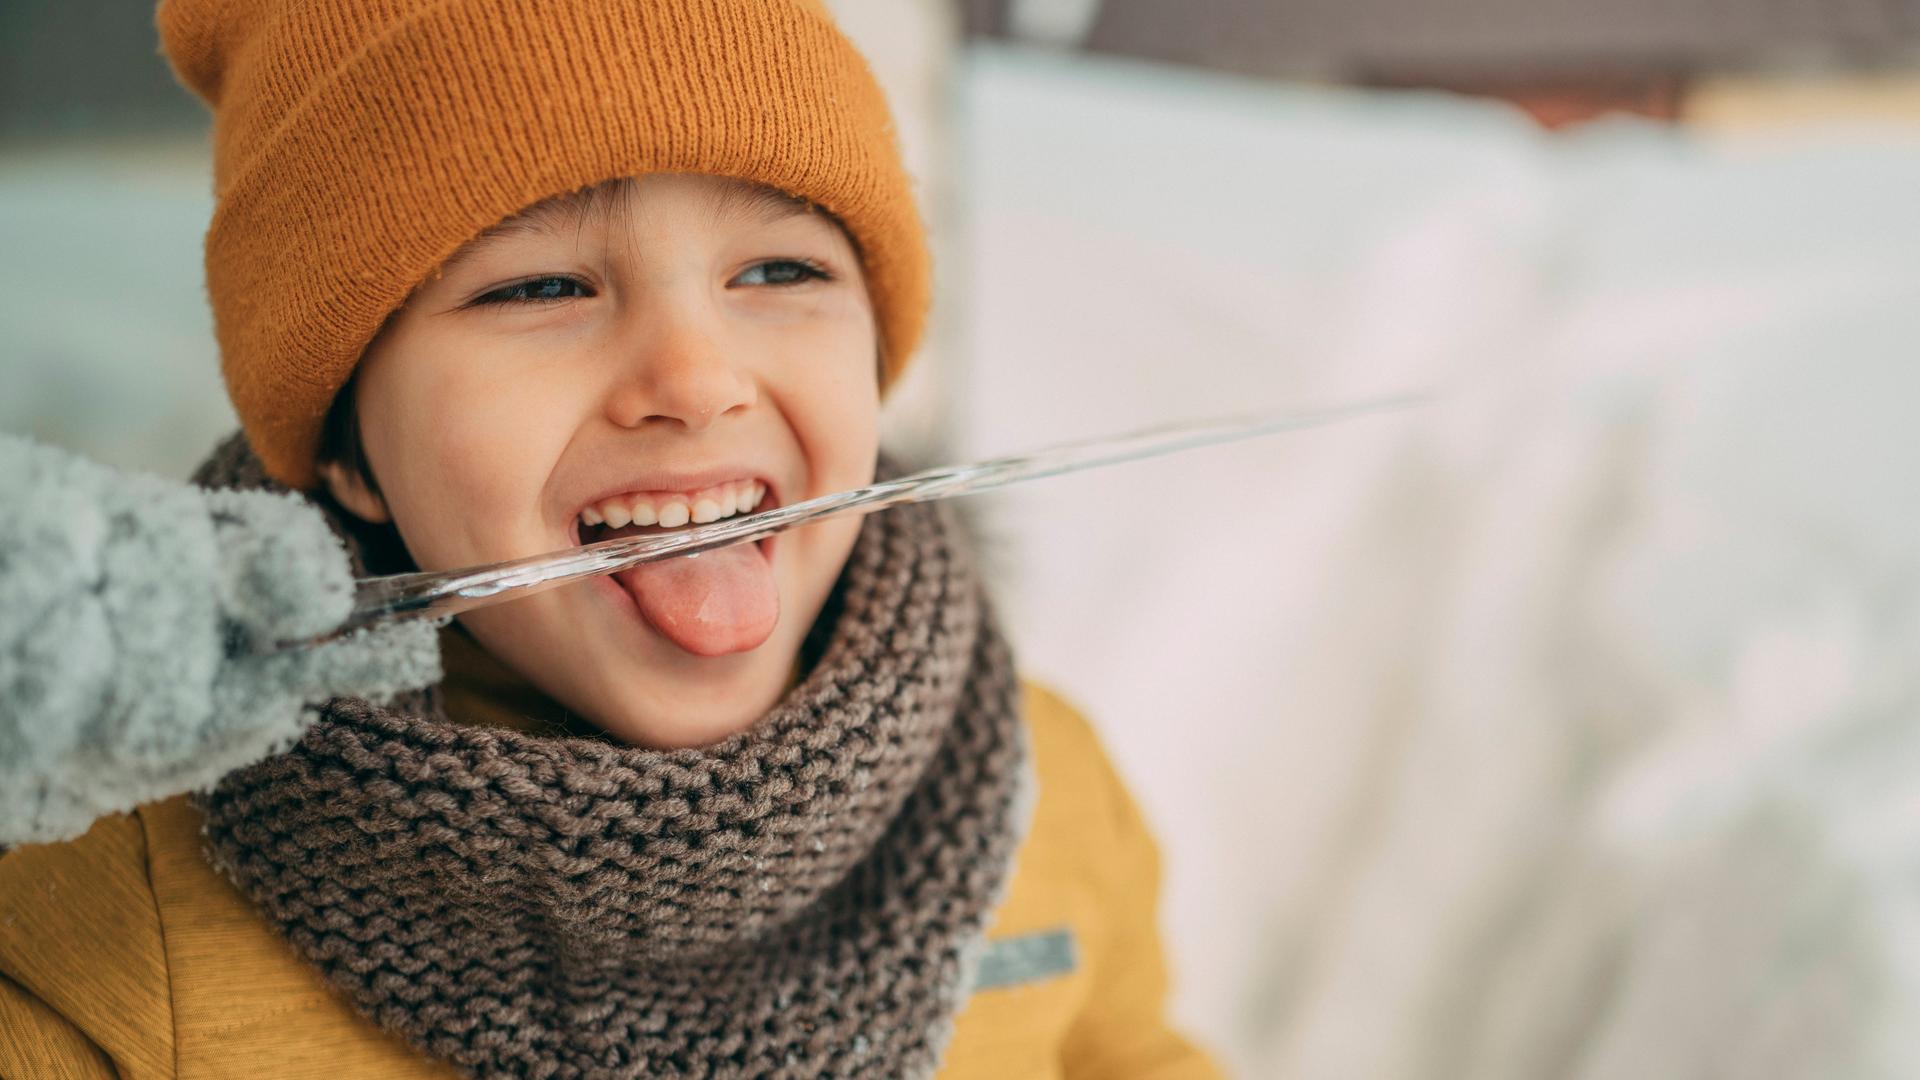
(710, 604)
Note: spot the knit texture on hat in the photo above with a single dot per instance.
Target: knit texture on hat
(805, 898)
(359, 143)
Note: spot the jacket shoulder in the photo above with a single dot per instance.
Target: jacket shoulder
(1121, 1027)
(1058, 729)
(1079, 802)
(81, 941)
(1070, 761)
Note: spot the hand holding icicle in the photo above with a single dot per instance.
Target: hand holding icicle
(129, 606)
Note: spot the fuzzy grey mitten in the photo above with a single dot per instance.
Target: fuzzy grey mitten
(127, 607)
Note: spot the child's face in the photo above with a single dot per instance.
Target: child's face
(661, 347)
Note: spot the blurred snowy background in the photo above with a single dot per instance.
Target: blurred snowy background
(1568, 727)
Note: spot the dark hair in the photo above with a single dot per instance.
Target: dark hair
(340, 441)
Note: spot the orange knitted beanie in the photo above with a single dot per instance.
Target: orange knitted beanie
(358, 143)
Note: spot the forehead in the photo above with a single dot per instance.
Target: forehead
(727, 201)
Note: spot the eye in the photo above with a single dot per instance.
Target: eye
(535, 291)
(782, 272)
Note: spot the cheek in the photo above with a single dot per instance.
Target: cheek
(463, 459)
(838, 442)
(831, 397)
(847, 440)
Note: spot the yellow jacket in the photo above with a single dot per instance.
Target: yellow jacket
(123, 954)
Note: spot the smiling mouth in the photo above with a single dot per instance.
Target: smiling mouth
(650, 513)
(717, 603)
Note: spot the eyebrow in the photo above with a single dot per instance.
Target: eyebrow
(764, 205)
(736, 202)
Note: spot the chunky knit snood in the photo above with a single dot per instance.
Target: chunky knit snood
(805, 898)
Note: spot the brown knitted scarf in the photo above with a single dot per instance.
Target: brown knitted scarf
(806, 898)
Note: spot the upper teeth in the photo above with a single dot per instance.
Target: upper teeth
(674, 509)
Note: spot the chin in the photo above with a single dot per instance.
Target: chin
(689, 726)
(694, 701)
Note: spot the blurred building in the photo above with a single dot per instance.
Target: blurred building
(1562, 60)
(1353, 37)
(87, 67)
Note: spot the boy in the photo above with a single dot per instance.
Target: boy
(495, 279)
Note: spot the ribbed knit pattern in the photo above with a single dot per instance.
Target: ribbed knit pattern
(359, 143)
(803, 899)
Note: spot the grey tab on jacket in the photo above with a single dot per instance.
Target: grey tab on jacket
(1027, 958)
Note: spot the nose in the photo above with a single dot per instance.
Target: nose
(679, 375)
